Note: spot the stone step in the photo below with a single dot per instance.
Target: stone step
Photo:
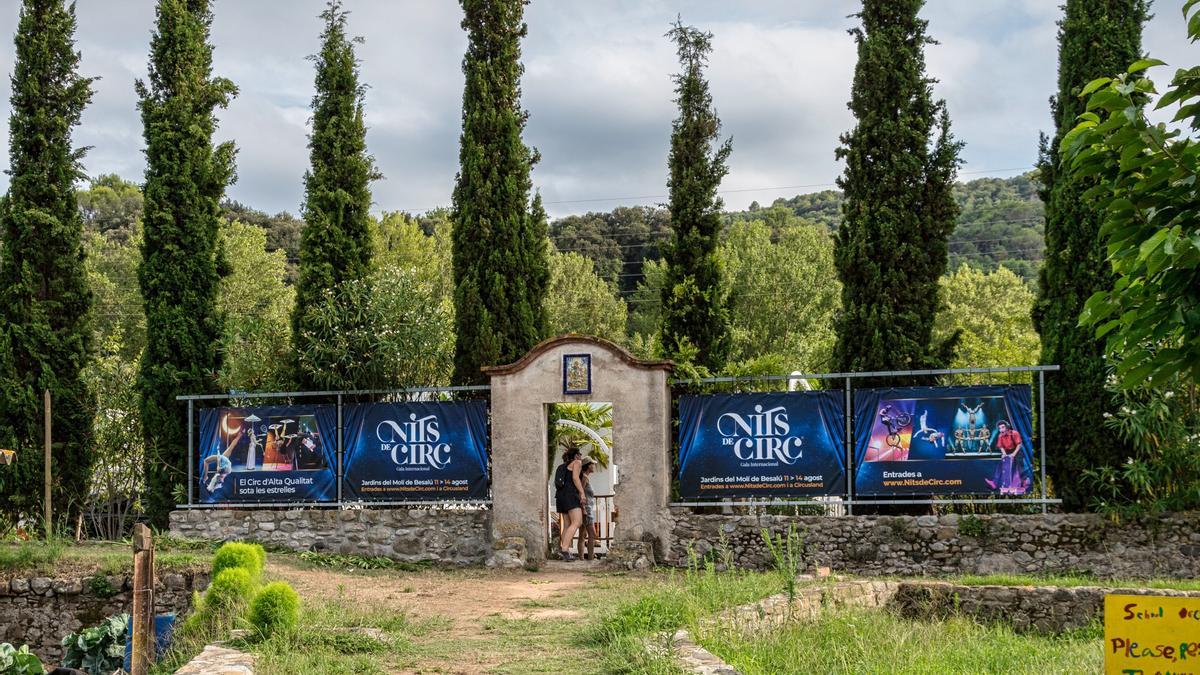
(577, 566)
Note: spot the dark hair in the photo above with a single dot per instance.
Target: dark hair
(570, 455)
(1004, 422)
(587, 462)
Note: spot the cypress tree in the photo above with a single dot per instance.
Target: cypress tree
(1096, 38)
(45, 303)
(694, 302)
(501, 261)
(182, 264)
(901, 160)
(335, 245)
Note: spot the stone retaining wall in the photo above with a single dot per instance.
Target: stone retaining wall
(41, 611)
(1165, 546)
(1042, 609)
(451, 536)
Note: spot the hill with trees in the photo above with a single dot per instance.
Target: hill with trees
(999, 225)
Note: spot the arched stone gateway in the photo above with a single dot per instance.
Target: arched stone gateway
(640, 393)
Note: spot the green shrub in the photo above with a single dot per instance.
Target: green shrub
(99, 650)
(276, 609)
(229, 592)
(15, 661)
(102, 588)
(249, 557)
(971, 526)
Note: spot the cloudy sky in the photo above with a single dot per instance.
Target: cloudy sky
(597, 87)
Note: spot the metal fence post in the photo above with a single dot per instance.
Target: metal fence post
(849, 414)
(1042, 430)
(338, 475)
(191, 468)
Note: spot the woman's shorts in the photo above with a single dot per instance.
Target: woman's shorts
(567, 500)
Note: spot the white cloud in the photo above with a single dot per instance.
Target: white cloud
(597, 87)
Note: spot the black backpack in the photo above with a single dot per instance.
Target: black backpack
(560, 477)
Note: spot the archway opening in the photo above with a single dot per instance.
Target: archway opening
(586, 427)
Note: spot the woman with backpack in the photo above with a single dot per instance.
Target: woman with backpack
(568, 500)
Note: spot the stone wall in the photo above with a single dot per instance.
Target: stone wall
(41, 611)
(1042, 609)
(1164, 546)
(450, 536)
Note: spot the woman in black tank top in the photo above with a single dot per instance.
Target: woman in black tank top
(568, 501)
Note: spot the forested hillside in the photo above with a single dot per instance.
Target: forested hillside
(1000, 222)
(1000, 225)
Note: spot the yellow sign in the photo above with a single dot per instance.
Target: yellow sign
(1150, 634)
(7, 456)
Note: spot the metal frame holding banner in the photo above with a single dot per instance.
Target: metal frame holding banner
(413, 448)
(943, 445)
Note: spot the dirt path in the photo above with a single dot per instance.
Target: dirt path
(465, 597)
(471, 621)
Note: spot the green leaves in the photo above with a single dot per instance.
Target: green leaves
(335, 244)
(901, 159)
(578, 301)
(1147, 190)
(45, 303)
(180, 271)
(501, 267)
(98, 650)
(14, 661)
(694, 301)
(1094, 85)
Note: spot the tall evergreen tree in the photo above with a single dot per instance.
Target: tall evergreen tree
(899, 211)
(1096, 38)
(182, 264)
(45, 303)
(335, 245)
(694, 301)
(501, 261)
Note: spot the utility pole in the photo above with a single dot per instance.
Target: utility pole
(47, 511)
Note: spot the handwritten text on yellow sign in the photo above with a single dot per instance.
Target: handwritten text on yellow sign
(1147, 634)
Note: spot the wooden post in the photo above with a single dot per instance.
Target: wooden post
(143, 600)
(47, 511)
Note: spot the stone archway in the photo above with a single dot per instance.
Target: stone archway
(641, 397)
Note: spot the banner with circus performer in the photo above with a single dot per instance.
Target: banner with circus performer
(970, 440)
(267, 454)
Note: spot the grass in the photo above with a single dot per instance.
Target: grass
(634, 637)
(30, 555)
(69, 559)
(327, 641)
(1072, 580)
(876, 641)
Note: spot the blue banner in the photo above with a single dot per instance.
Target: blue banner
(762, 445)
(267, 454)
(973, 440)
(415, 451)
